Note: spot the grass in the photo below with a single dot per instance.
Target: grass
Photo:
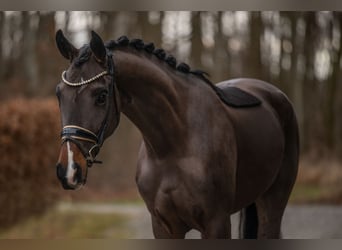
(318, 182)
(307, 193)
(69, 225)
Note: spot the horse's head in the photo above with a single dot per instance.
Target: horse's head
(89, 105)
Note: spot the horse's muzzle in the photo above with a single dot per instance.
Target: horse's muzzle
(70, 182)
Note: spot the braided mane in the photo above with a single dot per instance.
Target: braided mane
(161, 54)
(139, 45)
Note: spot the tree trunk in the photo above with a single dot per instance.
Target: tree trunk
(2, 21)
(221, 57)
(296, 81)
(150, 32)
(108, 24)
(311, 132)
(331, 109)
(284, 75)
(28, 54)
(50, 61)
(196, 41)
(255, 68)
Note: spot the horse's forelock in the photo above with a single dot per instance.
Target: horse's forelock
(83, 55)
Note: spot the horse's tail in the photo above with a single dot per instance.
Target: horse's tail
(249, 222)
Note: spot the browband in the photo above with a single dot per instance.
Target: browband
(83, 82)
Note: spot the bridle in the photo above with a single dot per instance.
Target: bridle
(76, 133)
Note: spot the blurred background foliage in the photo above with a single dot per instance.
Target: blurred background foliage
(299, 52)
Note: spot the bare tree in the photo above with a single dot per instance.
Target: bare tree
(28, 56)
(221, 54)
(150, 26)
(196, 40)
(2, 21)
(294, 79)
(107, 26)
(254, 49)
(312, 102)
(332, 86)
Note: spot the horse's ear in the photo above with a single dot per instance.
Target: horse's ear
(65, 47)
(97, 47)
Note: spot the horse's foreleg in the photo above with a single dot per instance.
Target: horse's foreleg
(218, 228)
(163, 230)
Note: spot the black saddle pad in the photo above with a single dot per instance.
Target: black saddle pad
(237, 98)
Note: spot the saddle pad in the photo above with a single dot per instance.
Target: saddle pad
(237, 98)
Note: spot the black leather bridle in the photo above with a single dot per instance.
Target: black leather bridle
(76, 134)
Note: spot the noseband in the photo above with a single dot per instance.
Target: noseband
(76, 134)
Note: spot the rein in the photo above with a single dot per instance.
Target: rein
(76, 133)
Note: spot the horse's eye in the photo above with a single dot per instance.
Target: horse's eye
(101, 99)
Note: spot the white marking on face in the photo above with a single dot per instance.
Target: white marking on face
(70, 170)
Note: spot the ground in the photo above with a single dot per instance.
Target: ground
(132, 221)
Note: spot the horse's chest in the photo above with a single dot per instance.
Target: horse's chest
(158, 186)
(173, 194)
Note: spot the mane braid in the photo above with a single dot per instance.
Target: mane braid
(160, 53)
(123, 40)
(149, 47)
(171, 61)
(83, 56)
(139, 45)
(111, 44)
(183, 67)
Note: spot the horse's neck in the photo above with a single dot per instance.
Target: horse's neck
(160, 102)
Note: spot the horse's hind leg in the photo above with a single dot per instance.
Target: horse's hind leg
(271, 205)
(269, 217)
(262, 219)
(249, 222)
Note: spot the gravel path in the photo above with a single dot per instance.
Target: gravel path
(299, 222)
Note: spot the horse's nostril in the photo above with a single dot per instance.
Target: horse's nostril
(65, 184)
(60, 171)
(70, 178)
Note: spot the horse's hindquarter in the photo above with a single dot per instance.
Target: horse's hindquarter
(260, 141)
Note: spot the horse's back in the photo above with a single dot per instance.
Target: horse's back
(261, 137)
(255, 87)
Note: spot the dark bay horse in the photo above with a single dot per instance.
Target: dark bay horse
(200, 160)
